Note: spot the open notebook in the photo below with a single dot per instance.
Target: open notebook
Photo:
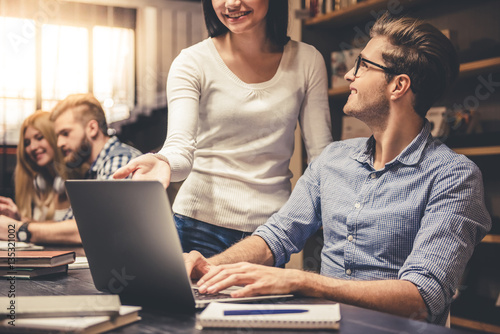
(132, 246)
(292, 316)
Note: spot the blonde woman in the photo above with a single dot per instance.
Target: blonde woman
(40, 193)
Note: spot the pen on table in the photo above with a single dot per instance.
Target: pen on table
(253, 312)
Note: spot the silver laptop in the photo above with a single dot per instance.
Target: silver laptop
(132, 246)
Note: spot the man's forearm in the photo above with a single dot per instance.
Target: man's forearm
(391, 296)
(65, 232)
(253, 249)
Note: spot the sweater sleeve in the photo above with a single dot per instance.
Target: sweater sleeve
(183, 95)
(314, 115)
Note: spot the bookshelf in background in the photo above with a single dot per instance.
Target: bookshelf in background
(317, 8)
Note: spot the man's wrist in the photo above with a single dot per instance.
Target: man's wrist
(310, 284)
(23, 234)
(298, 280)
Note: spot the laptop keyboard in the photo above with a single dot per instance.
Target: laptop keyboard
(204, 296)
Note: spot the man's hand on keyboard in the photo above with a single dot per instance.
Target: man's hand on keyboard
(196, 264)
(255, 279)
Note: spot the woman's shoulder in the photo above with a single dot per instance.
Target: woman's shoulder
(303, 55)
(301, 47)
(195, 56)
(200, 48)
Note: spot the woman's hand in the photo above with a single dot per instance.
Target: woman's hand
(146, 167)
(9, 208)
(8, 228)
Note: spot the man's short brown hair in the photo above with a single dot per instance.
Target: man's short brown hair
(85, 107)
(423, 53)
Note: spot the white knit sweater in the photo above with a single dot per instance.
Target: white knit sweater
(233, 141)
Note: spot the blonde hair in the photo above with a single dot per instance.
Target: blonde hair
(27, 170)
(85, 107)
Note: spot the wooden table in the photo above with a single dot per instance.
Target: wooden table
(354, 319)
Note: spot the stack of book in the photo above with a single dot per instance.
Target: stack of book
(27, 264)
(65, 314)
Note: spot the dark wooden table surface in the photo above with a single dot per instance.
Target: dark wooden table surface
(79, 282)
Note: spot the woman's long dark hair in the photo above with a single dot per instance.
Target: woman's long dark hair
(276, 21)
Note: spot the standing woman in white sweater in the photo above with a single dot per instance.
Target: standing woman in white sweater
(233, 104)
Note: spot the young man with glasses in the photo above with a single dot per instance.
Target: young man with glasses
(401, 213)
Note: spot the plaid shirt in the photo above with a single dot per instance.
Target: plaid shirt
(417, 219)
(113, 155)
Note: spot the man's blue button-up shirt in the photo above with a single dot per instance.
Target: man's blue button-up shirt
(417, 219)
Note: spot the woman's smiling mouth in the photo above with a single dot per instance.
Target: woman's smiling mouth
(237, 15)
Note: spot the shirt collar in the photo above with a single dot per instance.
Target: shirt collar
(409, 156)
(103, 154)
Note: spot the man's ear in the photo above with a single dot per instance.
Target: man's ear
(92, 129)
(399, 86)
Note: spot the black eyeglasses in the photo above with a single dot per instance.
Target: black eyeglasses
(357, 64)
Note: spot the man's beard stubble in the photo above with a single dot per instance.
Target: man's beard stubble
(76, 158)
(372, 112)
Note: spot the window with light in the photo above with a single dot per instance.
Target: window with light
(41, 64)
